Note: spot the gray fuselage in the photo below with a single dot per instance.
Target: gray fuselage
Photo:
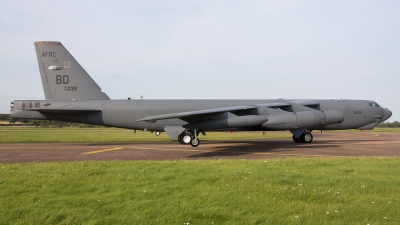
(125, 113)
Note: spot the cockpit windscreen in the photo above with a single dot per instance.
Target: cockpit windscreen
(374, 104)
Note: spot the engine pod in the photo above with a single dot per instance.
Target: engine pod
(231, 122)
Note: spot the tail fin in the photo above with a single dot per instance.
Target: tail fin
(62, 76)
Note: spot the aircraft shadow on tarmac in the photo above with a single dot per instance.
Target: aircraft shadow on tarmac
(278, 147)
(251, 147)
(237, 148)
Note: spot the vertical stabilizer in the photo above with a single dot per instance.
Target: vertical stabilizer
(63, 77)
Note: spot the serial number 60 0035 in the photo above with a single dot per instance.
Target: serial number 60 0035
(70, 88)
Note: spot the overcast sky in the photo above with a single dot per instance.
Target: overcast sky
(210, 49)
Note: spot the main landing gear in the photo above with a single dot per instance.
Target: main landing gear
(189, 137)
(306, 137)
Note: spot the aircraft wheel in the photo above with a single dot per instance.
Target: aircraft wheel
(186, 139)
(195, 142)
(295, 139)
(306, 137)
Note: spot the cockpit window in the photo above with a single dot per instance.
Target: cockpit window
(374, 104)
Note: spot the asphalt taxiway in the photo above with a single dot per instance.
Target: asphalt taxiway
(327, 144)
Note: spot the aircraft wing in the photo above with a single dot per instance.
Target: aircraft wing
(64, 110)
(198, 113)
(308, 103)
(182, 115)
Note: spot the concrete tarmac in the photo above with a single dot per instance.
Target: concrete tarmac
(327, 144)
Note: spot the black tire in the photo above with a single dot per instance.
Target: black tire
(295, 139)
(180, 139)
(306, 137)
(195, 142)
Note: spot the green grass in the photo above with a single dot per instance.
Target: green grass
(273, 191)
(83, 135)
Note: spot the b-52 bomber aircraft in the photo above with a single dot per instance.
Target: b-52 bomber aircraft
(72, 95)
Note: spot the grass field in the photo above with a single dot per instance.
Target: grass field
(82, 135)
(273, 191)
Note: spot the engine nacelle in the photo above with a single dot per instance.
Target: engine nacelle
(232, 122)
(303, 119)
(332, 117)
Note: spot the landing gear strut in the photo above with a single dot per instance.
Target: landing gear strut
(195, 141)
(305, 137)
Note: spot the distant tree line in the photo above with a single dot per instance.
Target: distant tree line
(387, 124)
(5, 117)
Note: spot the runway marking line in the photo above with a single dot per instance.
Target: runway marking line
(164, 149)
(100, 151)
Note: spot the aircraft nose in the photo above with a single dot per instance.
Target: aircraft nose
(387, 114)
